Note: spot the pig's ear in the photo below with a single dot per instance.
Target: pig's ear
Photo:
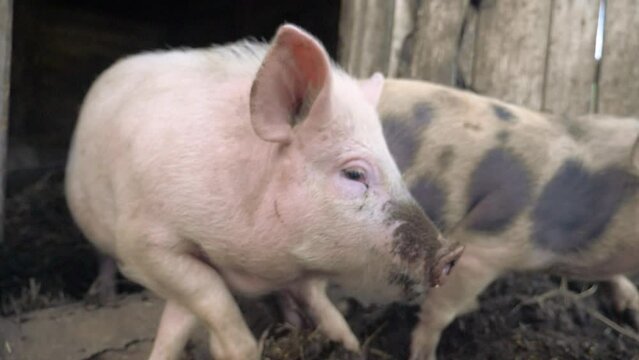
(294, 71)
(372, 88)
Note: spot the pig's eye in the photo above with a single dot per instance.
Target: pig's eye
(355, 174)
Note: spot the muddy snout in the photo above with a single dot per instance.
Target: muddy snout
(417, 240)
(445, 260)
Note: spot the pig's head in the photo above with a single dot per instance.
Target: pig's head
(340, 195)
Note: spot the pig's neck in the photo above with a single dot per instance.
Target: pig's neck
(268, 172)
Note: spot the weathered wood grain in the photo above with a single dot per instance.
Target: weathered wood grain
(403, 31)
(6, 17)
(510, 51)
(347, 25)
(366, 36)
(619, 80)
(464, 72)
(570, 70)
(439, 23)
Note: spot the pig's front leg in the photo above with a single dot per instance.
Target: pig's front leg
(176, 325)
(625, 297)
(166, 267)
(311, 295)
(474, 271)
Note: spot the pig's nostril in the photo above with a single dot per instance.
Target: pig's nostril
(445, 265)
(448, 267)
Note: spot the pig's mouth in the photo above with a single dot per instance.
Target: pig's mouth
(410, 287)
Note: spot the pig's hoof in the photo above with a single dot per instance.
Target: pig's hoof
(237, 351)
(350, 342)
(423, 354)
(625, 299)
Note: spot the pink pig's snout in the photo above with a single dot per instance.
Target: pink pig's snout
(445, 260)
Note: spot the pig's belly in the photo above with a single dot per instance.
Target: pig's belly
(251, 285)
(624, 262)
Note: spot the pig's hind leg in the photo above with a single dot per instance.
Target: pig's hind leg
(103, 290)
(164, 264)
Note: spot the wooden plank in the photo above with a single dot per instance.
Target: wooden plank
(510, 51)
(464, 72)
(366, 36)
(571, 65)
(6, 17)
(403, 28)
(347, 26)
(619, 81)
(439, 23)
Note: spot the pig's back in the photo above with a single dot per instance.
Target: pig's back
(460, 145)
(559, 186)
(149, 127)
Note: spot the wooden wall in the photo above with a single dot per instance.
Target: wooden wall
(60, 46)
(539, 54)
(6, 7)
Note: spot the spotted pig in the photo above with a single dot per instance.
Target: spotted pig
(522, 190)
(246, 169)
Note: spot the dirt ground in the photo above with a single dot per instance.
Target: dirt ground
(46, 268)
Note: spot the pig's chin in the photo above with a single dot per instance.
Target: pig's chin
(395, 284)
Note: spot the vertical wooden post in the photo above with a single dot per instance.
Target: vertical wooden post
(6, 17)
(618, 84)
(510, 57)
(366, 36)
(570, 62)
(437, 32)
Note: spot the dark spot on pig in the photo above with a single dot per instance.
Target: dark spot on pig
(432, 199)
(416, 237)
(403, 134)
(402, 142)
(404, 281)
(503, 136)
(573, 128)
(499, 190)
(446, 157)
(472, 126)
(576, 206)
(503, 114)
(422, 115)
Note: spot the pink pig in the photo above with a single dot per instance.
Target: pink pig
(246, 169)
